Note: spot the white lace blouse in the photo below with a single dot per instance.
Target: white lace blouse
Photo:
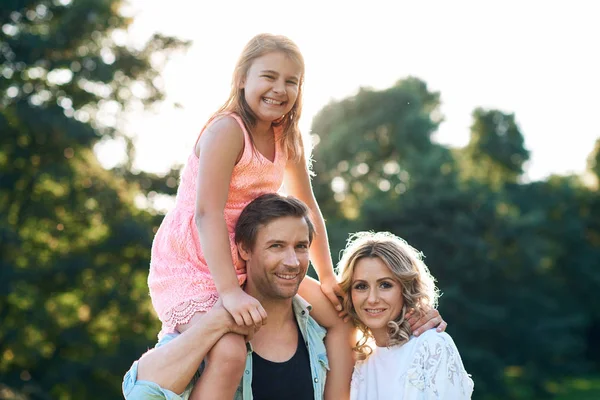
(427, 367)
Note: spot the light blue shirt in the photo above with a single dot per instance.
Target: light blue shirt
(312, 334)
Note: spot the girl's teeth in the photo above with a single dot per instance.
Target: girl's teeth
(269, 101)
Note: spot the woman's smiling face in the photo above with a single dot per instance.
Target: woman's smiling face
(376, 296)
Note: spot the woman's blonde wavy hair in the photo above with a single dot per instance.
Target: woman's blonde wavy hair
(258, 46)
(406, 264)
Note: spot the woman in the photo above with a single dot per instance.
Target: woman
(384, 277)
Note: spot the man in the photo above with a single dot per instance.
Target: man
(286, 357)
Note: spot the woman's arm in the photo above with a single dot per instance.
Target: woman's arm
(430, 318)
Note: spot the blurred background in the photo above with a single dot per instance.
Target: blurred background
(468, 128)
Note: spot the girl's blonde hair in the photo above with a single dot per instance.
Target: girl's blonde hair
(406, 264)
(258, 46)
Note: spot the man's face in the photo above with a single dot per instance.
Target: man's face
(279, 260)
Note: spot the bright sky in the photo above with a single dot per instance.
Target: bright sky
(538, 59)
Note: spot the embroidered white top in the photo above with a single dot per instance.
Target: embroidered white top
(427, 367)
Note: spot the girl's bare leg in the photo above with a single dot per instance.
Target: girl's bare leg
(224, 367)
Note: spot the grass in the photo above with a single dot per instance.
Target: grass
(587, 388)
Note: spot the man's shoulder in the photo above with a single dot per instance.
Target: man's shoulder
(308, 325)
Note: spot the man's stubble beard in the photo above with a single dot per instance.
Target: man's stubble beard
(272, 291)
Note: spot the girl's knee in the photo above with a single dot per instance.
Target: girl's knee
(229, 350)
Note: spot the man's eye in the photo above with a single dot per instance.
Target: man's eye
(276, 245)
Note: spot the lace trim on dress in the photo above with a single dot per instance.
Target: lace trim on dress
(183, 312)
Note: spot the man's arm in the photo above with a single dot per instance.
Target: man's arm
(431, 318)
(173, 365)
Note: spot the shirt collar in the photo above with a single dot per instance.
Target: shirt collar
(301, 306)
(301, 309)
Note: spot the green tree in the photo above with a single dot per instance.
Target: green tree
(487, 238)
(496, 153)
(74, 309)
(593, 162)
(369, 142)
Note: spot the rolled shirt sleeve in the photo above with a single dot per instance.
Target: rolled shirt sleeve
(134, 389)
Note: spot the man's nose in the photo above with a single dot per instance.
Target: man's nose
(291, 258)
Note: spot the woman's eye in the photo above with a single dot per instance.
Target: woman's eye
(269, 77)
(360, 286)
(292, 83)
(386, 285)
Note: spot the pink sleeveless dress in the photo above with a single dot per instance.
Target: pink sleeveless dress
(180, 282)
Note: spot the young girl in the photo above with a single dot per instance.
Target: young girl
(249, 147)
(383, 277)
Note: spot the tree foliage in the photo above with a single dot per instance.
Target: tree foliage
(593, 162)
(507, 255)
(73, 295)
(496, 153)
(517, 262)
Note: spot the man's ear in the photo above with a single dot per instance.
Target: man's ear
(244, 253)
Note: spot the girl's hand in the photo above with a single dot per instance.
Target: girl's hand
(225, 320)
(244, 309)
(331, 289)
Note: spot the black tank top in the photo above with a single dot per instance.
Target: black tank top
(290, 380)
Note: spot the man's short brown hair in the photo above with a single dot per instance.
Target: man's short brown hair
(265, 209)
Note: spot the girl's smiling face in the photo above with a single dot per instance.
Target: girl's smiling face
(376, 296)
(271, 86)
